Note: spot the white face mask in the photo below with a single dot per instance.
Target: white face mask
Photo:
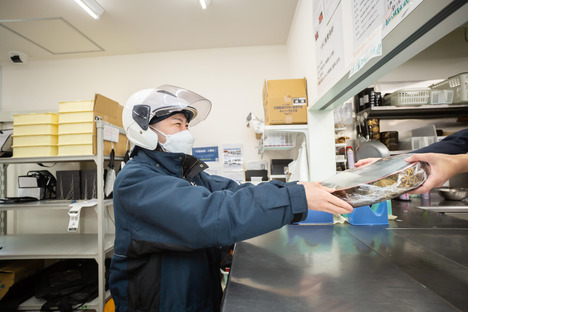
(180, 142)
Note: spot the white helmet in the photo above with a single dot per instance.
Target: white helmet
(165, 100)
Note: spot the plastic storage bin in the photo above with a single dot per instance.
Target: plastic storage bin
(34, 119)
(76, 127)
(315, 216)
(71, 117)
(377, 214)
(75, 138)
(408, 97)
(75, 149)
(34, 151)
(38, 129)
(75, 106)
(34, 140)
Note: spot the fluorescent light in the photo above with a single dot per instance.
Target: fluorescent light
(204, 3)
(92, 7)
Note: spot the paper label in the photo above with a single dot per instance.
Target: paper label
(110, 134)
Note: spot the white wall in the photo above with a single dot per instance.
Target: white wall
(231, 79)
(320, 123)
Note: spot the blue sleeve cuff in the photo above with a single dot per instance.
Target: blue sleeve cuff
(298, 202)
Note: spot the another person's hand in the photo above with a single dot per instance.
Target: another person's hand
(319, 198)
(365, 162)
(442, 167)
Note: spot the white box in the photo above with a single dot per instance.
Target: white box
(36, 192)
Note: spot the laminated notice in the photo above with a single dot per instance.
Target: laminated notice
(75, 213)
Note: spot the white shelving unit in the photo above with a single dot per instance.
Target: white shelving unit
(61, 246)
(337, 147)
(284, 130)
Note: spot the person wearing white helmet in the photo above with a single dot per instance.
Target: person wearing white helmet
(171, 217)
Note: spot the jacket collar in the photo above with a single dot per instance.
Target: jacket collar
(178, 164)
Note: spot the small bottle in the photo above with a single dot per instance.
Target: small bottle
(350, 157)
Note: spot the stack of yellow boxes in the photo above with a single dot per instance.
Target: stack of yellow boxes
(75, 128)
(35, 135)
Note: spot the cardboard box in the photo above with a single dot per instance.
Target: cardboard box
(109, 110)
(16, 271)
(285, 101)
(74, 116)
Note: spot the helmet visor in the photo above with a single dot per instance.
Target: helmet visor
(168, 99)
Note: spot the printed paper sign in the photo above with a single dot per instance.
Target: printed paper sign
(207, 153)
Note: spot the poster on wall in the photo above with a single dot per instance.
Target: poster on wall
(367, 26)
(233, 162)
(395, 11)
(372, 20)
(206, 153)
(328, 37)
(209, 155)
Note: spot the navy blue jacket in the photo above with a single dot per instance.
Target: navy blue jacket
(453, 144)
(170, 220)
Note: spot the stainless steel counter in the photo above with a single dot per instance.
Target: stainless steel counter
(418, 263)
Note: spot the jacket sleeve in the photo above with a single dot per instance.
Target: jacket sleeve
(218, 183)
(170, 211)
(452, 144)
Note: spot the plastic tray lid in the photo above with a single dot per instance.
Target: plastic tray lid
(369, 173)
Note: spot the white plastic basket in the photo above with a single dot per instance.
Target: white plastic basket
(408, 97)
(420, 142)
(280, 141)
(458, 84)
(441, 96)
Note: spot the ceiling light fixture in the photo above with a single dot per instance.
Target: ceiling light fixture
(92, 7)
(204, 3)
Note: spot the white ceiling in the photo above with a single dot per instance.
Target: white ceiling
(56, 29)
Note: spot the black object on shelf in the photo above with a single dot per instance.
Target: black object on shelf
(256, 173)
(68, 184)
(278, 165)
(88, 184)
(422, 112)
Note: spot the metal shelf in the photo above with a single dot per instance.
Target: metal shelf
(53, 246)
(62, 246)
(35, 304)
(422, 112)
(47, 204)
(286, 128)
(52, 159)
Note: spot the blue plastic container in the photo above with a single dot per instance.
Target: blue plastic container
(377, 214)
(315, 216)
